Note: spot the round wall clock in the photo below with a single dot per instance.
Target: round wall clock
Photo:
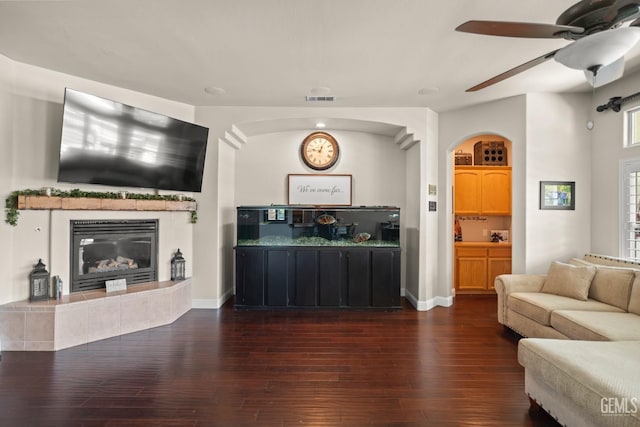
(320, 151)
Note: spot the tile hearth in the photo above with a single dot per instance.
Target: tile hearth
(83, 317)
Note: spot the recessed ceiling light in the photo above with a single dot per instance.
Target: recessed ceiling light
(428, 91)
(212, 90)
(321, 125)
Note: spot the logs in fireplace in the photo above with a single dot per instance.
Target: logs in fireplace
(103, 250)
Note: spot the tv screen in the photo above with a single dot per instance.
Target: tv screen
(106, 142)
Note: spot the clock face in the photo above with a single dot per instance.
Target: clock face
(320, 150)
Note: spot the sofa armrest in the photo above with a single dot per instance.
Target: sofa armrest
(506, 284)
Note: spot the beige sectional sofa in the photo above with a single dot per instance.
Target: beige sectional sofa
(582, 354)
(583, 383)
(594, 298)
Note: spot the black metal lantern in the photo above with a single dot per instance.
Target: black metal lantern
(38, 282)
(177, 266)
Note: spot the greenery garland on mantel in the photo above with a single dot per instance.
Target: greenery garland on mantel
(11, 202)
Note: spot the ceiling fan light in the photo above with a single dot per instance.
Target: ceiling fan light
(606, 74)
(599, 49)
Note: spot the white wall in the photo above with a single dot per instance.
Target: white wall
(30, 124)
(31, 111)
(7, 77)
(227, 226)
(375, 162)
(506, 118)
(39, 95)
(558, 149)
(608, 151)
(434, 293)
(538, 125)
(30, 117)
(263, 162)
(411, 219)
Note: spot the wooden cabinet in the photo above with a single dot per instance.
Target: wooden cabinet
(250, 277)
(373, 278)
(330, 271)
(317, 277)
(498, 262)
(305, 288)
(262, 277)
(482, 190)
(358, 271)
(467, 198)
(471, 268)
(496, 192)
(478, 264)
(385, 278)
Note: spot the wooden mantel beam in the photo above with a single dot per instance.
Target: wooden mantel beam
(87, 203)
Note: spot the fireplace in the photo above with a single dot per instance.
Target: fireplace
(104, 250)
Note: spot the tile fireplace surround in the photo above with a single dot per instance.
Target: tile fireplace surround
(83, 317)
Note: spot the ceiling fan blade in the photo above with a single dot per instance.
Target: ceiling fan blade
(518, 29)
(635, 23)
(512, 72)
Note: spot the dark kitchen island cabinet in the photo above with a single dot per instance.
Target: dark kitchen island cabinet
(277, 277)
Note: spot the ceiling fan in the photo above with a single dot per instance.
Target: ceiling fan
(600, 39)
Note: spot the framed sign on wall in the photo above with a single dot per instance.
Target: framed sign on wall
(326, 190)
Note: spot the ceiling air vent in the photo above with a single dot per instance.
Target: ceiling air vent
(323, 98)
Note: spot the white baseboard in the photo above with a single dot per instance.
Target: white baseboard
(212, 303)
(205, 303)
(443, 301)
(428, 304)
(419, 305)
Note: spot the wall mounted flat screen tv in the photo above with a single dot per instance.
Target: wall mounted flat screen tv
(106, 142)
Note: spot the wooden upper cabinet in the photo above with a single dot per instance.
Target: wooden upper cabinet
(482, 190)
(468, 191)
(496, 192)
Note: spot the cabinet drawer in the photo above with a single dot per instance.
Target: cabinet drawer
(499, 252)
(471, 252)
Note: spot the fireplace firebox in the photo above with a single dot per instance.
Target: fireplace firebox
(104, 250)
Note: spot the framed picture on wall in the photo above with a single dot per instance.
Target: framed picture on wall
(328, 190)
(558, 195)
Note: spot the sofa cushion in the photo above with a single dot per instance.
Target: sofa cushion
(612, 285)
(538, 306)
(587, 374)
(568, 280)
(596, 326)
(530, 328)
(634, 299)
(581, 262)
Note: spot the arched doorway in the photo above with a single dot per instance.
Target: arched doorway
(482, 194)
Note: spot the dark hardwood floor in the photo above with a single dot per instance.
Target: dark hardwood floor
(444, 367)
